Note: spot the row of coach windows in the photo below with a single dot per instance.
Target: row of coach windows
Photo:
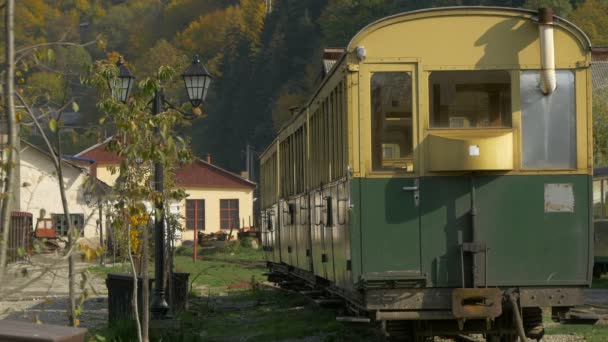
(475, 99)
(229, 214)
(268, 190)
(328, 138)
(293, 162)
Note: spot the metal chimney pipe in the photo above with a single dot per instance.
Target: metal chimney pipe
(548, 80)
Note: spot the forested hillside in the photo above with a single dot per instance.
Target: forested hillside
(265, 54)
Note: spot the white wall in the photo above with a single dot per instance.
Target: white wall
(105, 175)
(40, 190)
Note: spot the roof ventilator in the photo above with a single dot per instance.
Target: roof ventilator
(548, 80)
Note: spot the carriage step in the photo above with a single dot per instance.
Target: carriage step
(349, 319)
(312, 293)
(329, 302)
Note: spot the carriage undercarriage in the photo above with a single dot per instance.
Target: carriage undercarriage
(419, 314)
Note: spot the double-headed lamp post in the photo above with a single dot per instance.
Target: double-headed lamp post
(196, 80)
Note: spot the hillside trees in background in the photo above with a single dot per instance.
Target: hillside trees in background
(264, 63)
(49, 58)
(592, 17)
(562, 8)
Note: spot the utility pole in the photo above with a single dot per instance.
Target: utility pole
(248, 161)
(268, 7)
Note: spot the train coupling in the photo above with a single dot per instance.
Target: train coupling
(476, 303)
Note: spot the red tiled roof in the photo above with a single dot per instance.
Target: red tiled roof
(99, 154)
(202, 174)
(199, 174)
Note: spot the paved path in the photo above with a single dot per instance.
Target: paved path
(37, 290)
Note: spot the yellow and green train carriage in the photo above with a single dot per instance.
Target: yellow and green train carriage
(439, 178)
(600, 221)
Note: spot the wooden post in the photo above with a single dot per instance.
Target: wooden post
(195, 247)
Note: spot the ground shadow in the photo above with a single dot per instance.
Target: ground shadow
(54, 311)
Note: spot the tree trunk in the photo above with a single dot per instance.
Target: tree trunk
(135, 306)
(11, 160)
(73, 320)
(145, 286)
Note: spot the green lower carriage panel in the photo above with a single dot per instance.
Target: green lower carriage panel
(528, 230)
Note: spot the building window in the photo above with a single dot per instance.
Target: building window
(229, 214)
(195, 214)
(470, 99)
(62, 226)
(391, 109)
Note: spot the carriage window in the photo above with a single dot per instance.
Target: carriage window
(470, 99)
(392, 131)
(548, 122)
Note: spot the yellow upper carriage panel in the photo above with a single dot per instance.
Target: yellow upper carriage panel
(473, 89)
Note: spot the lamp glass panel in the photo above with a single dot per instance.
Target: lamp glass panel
(190, 86)
(199, 87)
(120, 88)
(206, 86)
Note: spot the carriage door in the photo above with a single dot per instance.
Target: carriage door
(389, 192)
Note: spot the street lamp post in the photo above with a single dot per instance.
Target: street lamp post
(196, 80)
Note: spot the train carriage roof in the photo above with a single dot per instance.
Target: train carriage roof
(578, 44)
(464, 10)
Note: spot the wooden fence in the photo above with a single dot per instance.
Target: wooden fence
(19, 235)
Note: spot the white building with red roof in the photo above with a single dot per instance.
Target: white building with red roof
(218, 200)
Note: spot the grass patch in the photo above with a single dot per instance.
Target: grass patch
(123, 331)
(218, 275)
(270, 315)
(592, 333)
(226, 250)
(237, 307)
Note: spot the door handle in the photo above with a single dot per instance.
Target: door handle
(416, 190)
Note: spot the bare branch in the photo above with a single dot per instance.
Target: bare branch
(23, 51)
(37, 123)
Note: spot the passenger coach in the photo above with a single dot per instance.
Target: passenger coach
(439, 179)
